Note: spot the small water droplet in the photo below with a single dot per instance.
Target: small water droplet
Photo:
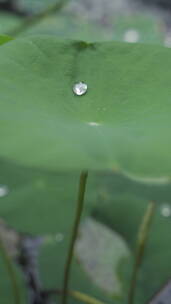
(4, 190)
(131, 36)
(166, 210)
(59, 237)
(80, 88)
(93, 124)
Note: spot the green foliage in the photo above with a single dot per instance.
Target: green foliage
(4, 39)
(121, 206)
(42, 202)
(122, 122)
(48, 135)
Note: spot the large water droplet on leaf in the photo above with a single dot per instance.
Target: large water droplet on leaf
(80, 88)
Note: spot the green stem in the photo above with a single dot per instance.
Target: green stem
(84, 297)
(80, 296)
(33, 20)
(141, 244)
(11, 273)
(79, 209)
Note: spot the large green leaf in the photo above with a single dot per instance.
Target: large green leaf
(121, 123)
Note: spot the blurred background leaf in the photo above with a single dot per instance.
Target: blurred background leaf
(42, 203)
(92, 21)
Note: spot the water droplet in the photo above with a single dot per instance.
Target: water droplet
(166, 210)
(80, 88)
(93, 124)
(59, 237)
(4, 190)
(131, 36)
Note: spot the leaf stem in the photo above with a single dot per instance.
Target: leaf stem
(79, 209)
(11, 272)
(84, 297)
(141, 244)
(35, 19)
(80, 296)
